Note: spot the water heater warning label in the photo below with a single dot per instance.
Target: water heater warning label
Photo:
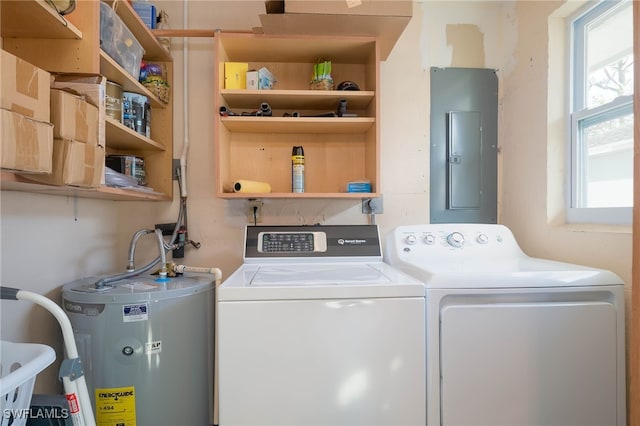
(135, 312)
(116, 406)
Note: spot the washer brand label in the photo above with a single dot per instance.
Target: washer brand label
(351, 242)
(116, 406)
(135, 312)
(153, 347)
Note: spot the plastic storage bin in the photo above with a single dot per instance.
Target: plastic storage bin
(19, 365)
(118, 42)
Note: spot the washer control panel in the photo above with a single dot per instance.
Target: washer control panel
(324, 241)
(292, 242)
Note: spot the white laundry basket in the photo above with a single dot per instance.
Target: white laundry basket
(20, 363)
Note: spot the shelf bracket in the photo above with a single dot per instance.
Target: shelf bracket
(372, 205)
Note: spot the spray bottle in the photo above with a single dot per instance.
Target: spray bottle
(297, 169)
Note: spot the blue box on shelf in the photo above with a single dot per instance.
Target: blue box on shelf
(358, 186)
(146, 12)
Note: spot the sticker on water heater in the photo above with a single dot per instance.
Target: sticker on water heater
(115, 406)
(135, 312)
(140, 286)
(153, 347)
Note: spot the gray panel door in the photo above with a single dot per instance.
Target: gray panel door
(463, 167)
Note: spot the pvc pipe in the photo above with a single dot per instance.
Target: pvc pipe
(216, 272)
(185, 109)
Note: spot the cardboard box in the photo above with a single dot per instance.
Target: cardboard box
(26, 144)
(94, 89)
(73, 118)
(24, 88)
(261, 79)
(235, 75)
(75, 164)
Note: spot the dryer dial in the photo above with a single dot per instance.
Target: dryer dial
(410, 239)
(482, 239)
(455, 239)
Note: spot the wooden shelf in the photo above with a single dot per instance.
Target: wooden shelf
(337, 149)
(297, 99)
(121, 137)
(13, 182)
(114, 72)
(35, 19)
(349, 195)
(297, 124)
(119, 194)
(387, 29)
(299, 48)
(33, 31)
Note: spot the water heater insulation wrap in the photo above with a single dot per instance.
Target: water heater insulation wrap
(154, 338)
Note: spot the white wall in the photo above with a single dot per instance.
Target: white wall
(46, 242)
(532, 141)
(510, 37)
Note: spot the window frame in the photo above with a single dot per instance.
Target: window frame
(578, 113)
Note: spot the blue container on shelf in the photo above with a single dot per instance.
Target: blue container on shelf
(359, 186)
(147, 12)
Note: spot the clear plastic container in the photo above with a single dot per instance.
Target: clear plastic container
(118, 42)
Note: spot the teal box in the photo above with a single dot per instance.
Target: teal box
(358, 187)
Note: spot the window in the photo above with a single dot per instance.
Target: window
(602, 114)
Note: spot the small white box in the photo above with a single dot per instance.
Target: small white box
(261, 79)
(252, 80)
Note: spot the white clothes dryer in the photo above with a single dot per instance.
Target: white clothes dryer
(511, 339)
(315, 329)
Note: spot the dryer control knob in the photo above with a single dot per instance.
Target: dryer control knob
(482, 239)
(429, 239)
(410, 239)
(455, 239)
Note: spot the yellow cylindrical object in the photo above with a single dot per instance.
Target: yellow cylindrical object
(251, 186)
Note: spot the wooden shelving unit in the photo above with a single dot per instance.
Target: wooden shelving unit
(35, 19)
(304, 195)
(122, 137)
(337, 149)
(32, 29)
(114, 72)
(298, 99)
(297, 125)
(14, 182)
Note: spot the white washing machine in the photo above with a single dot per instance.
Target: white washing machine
(315, 329)
(511, 339)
